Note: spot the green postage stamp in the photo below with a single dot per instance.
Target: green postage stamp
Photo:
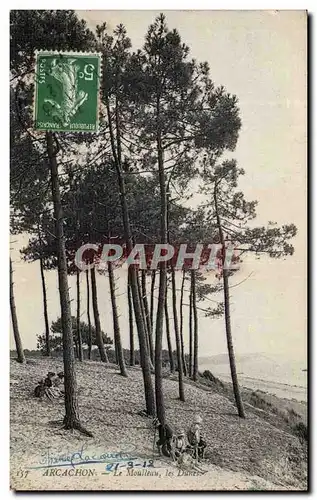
(67, 91)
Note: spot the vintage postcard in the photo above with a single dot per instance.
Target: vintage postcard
(158, 250)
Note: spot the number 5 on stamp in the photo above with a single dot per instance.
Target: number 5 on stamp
(67, 91)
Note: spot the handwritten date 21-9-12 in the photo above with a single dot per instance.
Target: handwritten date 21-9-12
(129, 465)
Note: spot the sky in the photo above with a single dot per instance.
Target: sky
(261, 57)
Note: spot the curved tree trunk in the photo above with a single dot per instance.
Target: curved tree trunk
(99, 339)
(71, 419)
(181, 323)
(225, 278)
(232, 360)
(47, 328)
(144, 354)
(15, 326)
(88, 315)
(79, 339)
(194, 306)
(177, 339)
(131, 335)
(168, 336)
(191, 330)
(116, 327)
(147, 313)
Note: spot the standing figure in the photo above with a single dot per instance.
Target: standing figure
(165, 443)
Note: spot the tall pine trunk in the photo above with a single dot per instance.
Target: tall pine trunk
(131, 333)
(145, 359)
(191, 330)
(234, 376)
(47, 328)
(160, 407)
(181, 319)
(71, 419)
(153, 276)
(147, 313)
(225, 279)
(144, 354)
(116, 327)
(14, 317)
(99, 339)
(147, 337)
(177, 339)
(76, 353)
(79, 338)
(194, 306)
(88, 315)
(168, 335)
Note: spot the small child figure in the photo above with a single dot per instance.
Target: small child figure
(48, 382)
(195, 439)
(58, 380)
(180, 443)
(39, 390)
(52, 390)
(58, 383)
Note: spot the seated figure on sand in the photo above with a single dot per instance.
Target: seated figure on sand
(58, 381)
(39, 390)
(180, 443)
(51, 386)
(195, 439)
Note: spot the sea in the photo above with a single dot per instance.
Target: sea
(273, 374)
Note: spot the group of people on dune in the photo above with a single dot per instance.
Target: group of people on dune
(52, 386)
(178, 444)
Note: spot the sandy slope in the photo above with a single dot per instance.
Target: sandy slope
(248, 454)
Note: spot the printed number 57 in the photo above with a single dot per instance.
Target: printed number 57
(88, 72)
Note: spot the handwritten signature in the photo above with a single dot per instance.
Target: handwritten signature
(81, 457)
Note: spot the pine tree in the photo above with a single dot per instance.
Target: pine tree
(66, 32)
(231, 213)
(16, 332)
(115, 52)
